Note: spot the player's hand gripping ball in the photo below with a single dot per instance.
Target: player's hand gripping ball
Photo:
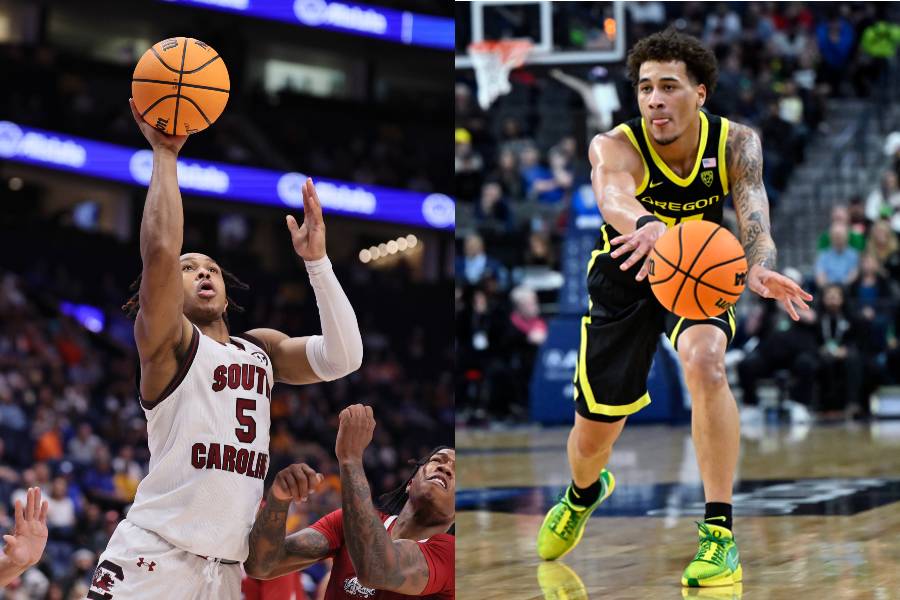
(697, 270)
(180, 86)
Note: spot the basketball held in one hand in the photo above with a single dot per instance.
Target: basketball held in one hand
(697, 270)
(180, 86)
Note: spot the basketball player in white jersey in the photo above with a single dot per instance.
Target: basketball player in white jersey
(206, 397)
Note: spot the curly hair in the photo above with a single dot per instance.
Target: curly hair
(670, 45)
(391, 501)
(134, 304)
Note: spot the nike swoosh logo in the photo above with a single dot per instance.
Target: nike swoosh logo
(653, 185)
(714, 518)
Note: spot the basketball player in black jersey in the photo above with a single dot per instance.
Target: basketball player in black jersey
(675, 163)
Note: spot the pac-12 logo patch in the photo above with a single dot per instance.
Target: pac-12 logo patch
(352, 587)
(707, 177)
(261, 357)
(104, 581)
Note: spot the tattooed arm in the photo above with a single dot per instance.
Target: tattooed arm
(270, 554)
(380, 562)
(743, 160)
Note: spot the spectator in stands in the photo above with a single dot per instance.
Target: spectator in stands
(80, 573)
(540, 251)
(647, 12)
(83, 447)
(512, 138)
(878, 45)
(884, 200)
(128, 473)
(475, 265)
(99, 484)
(546, 185)
(840, 375)
(883, 243)
(782, 344)
(841, 215)
(859, 223)
(836, 44)
(527, 331)
(469, 167)
(88, 522)
(872, 291)
(9, 477)
(11, 415)
(49, 445)
(61, 516)
(723, 26)
(838, 263)
(492, 208)
(508, 175)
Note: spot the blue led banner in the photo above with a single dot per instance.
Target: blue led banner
(220, 180)
(346, 17)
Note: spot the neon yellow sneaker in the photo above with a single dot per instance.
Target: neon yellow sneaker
(564, 524)
(717, 562)
(725, 592)
(559, 582)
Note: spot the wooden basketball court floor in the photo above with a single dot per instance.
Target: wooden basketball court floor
(817, 515)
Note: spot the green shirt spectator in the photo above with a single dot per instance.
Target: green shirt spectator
(881, 39)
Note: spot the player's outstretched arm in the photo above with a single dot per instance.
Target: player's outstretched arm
(25, 547)
(743, 160)
(271, 555)
(338, 351)
(615, 166)
(160, 322)
(380, 562)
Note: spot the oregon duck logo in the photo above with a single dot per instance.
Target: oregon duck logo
(707, 177)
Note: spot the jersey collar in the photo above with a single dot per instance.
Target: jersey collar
(704, 134)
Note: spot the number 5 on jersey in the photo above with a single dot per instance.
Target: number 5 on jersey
(247, 433)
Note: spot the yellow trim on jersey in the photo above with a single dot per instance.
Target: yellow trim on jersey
(723, 172)
(630, 134)
(704, 133)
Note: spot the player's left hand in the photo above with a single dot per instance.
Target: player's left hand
(770, 284)
(354, 432)
(26, 546)
(309, 238)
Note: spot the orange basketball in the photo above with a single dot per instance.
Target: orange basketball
(697, 269)
(180, 86)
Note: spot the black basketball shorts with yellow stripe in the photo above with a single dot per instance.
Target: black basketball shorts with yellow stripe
(619, 336)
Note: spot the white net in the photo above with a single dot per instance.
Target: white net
(493, 62)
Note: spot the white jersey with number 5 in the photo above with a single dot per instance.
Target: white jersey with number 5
(209, 444)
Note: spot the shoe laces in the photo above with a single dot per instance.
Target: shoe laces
(564, 516)
(709, 542)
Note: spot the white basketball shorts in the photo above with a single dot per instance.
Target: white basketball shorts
(140, 565)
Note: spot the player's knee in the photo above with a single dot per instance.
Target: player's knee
(591, 443)
(704, 367)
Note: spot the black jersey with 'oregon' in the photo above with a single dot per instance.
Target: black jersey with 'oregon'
(699, 196)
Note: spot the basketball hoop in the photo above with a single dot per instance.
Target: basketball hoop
(492, 62)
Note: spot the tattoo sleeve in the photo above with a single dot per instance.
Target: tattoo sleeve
(743, 160)
(379, 561)
(270, 554)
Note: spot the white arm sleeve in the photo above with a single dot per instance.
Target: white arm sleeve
(338, 351)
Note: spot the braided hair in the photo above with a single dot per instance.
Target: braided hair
(133, 305)
(397, 498)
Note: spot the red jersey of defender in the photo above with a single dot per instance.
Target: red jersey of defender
(438, 550)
